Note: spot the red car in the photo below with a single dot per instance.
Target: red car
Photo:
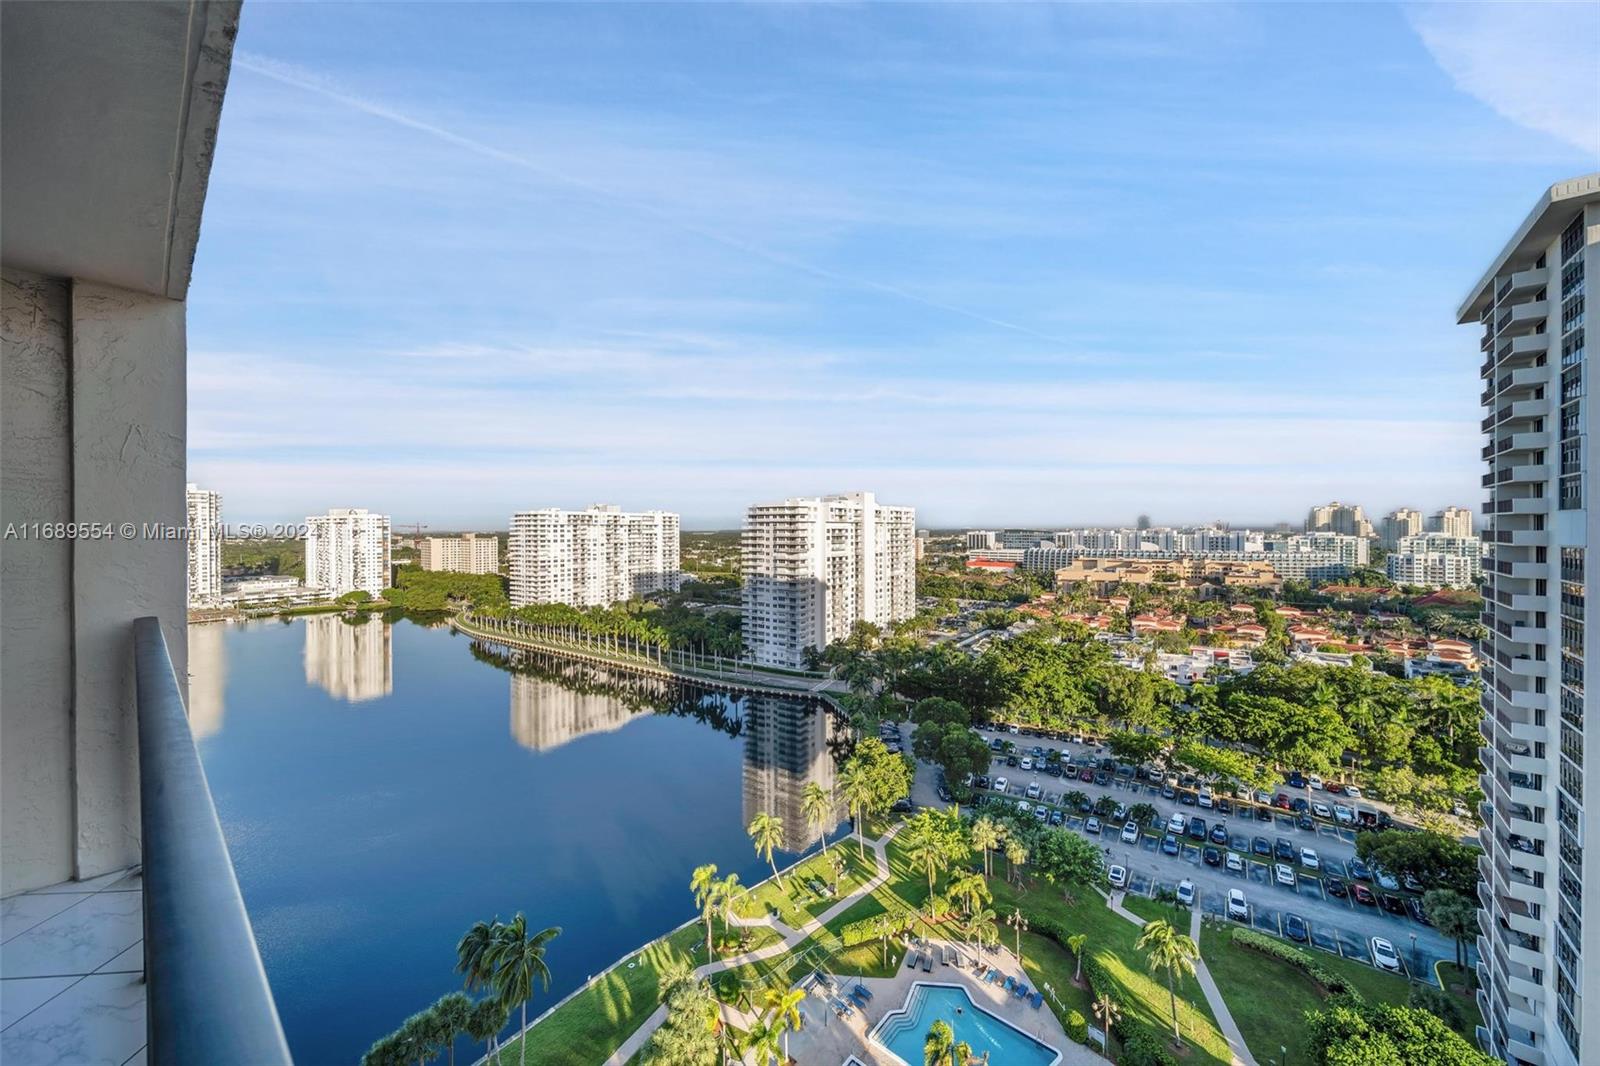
(1335, 788)
(1282, 802)
(1363, 895)
(1086, 775)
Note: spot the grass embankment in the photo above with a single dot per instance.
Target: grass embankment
(800, 904)
(1268, 997)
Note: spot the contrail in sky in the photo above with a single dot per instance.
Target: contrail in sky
(312, 83)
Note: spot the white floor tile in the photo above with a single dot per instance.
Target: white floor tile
(99, 1020)
(77, 941)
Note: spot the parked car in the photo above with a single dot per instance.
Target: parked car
(945, 795)
(1234, 862)
(1335, 887)
(1393, 904)
(1363, 895)
(1024, 806)
(1359, 871)
(1352, 791)
(1118, 876)
(1284, 849)
(1224, 805)
(1212, 855)
(1176, 823)
(1308, 859)
(1042, 813)
(1102, 778)
(1411, 884)
(1283, 874)
(1295, 928)
(1281, 801)
(1263, 814)
(1130, 833)
(1092, 826)
(1186, 892)
(1186, 798)
(1205, 799)
(1086, 775)
(1057, 817)
(1343, 815)
(1386, 880)
(1168, 792)
(1414, 908)
(1197, 828)
(983, 781)
(1294, 780)
(1321, 810)
(1033, 790)
(1261, 846)
(1304, 822)
(1299, 805)
(1384, 955)
(1026, 763)
(1169, 845)
(1238, 910)
(1219, 833)
(1011, 760)
(1315, 782)
(1053, 769)
(1000, 784)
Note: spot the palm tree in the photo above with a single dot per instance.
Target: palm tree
(1016, 855)
(970, 889)
(473, 951)
(765, 1038)
(451, 1013)
(856, 788)
(1170, 951)
(488, 1017)
(925, 845)
(961, 1054)
(816, 803)
(938, 1044)
(703, 883)
(518, 960)
(783, 1010)
(727, 892)
(986, 836)
(983, 928)
(766, 833)
(1108, 1011)
(1075, 944)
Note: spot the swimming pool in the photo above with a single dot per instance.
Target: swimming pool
(904, 1030)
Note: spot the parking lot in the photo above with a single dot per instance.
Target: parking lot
(1334, 922)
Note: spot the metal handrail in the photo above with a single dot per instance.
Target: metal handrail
(207, 996)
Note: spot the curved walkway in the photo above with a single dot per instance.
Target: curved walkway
(791, 938)
(1208, 985)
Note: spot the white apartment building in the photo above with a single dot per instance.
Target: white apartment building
(814, 566)
(205, 545)
(1352, 549)
(347, 550)
(1336, 517)
(979, 539)
(1452, 521)
(1433, 569)
(466, 554)
(591, 558)
(1539, 952)
(1399, 523)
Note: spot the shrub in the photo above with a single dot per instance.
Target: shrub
(1277, 949)
(1077, 1028)
(1143, 1048)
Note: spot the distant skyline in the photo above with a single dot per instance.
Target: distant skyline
(1035, 265)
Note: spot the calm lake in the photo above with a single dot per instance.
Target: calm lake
(384, 785)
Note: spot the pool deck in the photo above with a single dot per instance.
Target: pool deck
(826, 1039)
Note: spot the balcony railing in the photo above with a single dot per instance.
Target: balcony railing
(207, 997)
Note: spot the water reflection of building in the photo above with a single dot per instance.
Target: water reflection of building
(788, 745)
(208, 677)
(546, 714)
(349, 660)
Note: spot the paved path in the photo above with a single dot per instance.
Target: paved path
(1208, 985)
(791, 937)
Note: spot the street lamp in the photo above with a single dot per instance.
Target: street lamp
(1416, 963)
(1285, 1053)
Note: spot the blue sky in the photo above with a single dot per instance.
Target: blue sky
(1011, 265)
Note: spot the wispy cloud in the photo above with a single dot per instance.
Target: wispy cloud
(1536, 63)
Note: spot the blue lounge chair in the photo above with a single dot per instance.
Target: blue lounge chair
(862, 989)
(927, 964)
(911, 960)
(1022, 990)
(993, 976)
(1011, 984)
(1037, 999)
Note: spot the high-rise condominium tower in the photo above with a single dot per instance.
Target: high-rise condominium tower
(1539, 955)
(1336, 517)
(205, 545)
(1452, 522)
(1400, 523)
(816, 565)
(347, 550)
(591, 558)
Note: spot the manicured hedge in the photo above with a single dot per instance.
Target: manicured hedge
(1077, 1028)
(865, 930)
(1300, 960)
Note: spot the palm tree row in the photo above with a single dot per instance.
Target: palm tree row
(695, 1034)
(714, 896)
(431, 1032)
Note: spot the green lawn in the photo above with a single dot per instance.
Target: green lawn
(1268, 998)
(795, 904)
(1150, 910)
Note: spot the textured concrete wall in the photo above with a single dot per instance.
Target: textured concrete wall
(36, 805)
(93, 407)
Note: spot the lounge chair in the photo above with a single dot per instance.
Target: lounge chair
(944, 957)
(864, 991)
(993, 976)
(858, 999)
(1022, 991)
(911, 960)
(927, 964)
(1011, 984)
(1037, 999)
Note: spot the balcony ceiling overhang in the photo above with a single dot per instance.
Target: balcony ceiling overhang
(1548, 218)
(108, 120)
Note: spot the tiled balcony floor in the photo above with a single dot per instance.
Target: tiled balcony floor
(72, 973)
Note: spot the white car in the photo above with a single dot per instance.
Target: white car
(1352, 791)
(1308, 859)
(1130, 833)
(1177, 823)
(1033, 790)
(1025, 764)
(1386, 880)
(1013, 730)
(1238, 910)
(1092, 825)
(1186, 893)
(1234, 862)
(1000, 784)
(1118, 876)
(1204, 799)
(1321, 810)
(1024, 806)
(1284, 873)
(1315, 782)
(1384, 954)
(1343, 815)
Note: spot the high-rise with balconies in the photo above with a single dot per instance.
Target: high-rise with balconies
(1399, 523)
(204, 515)
(1537, 960)
(1451, 521)
(815, 566)
(591, 558)
(347, 550)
